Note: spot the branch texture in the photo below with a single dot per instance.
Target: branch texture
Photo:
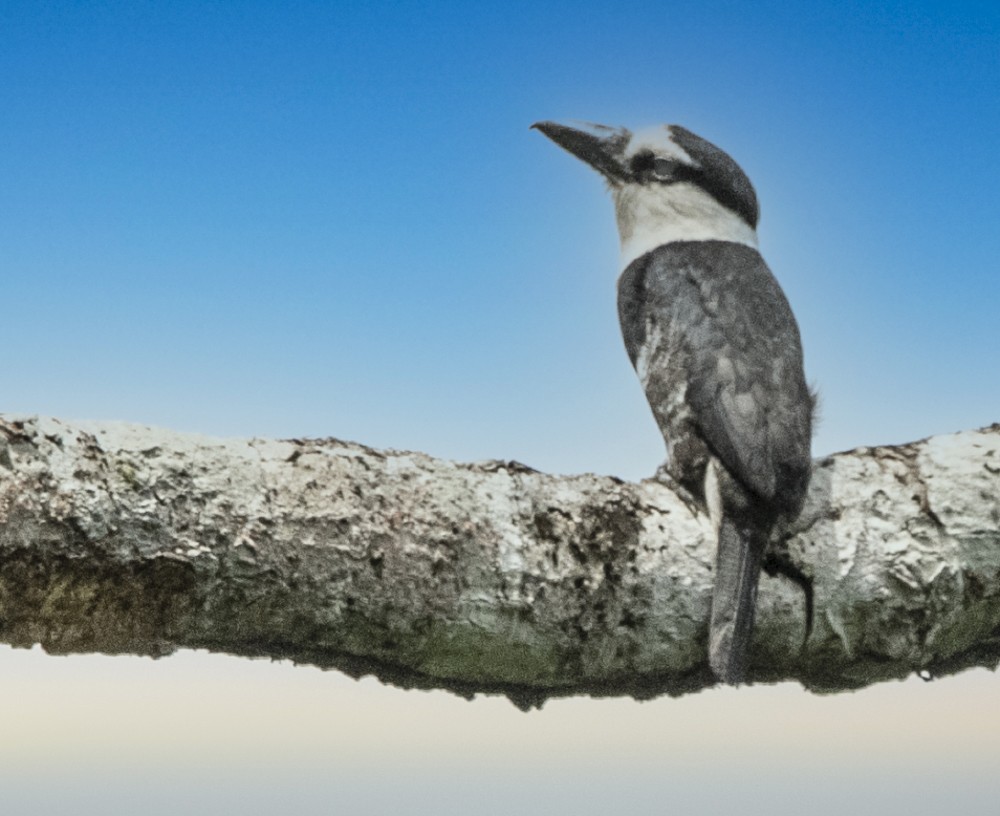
(484, 577)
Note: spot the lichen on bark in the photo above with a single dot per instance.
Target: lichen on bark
(482, 577)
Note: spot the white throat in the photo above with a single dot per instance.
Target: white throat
(652, 215)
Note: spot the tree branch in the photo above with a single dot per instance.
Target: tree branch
(485, 577)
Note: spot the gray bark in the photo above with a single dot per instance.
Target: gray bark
(484, 577)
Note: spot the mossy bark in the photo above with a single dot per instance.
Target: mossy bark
(484, 577)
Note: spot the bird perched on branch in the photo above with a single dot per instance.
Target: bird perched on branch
(715, 345)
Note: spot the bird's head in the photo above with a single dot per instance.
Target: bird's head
(667, 183)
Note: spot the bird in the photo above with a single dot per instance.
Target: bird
(715, 345)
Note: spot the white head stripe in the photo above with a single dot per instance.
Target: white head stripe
(659, 141)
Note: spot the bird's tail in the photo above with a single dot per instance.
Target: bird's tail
(741, 550)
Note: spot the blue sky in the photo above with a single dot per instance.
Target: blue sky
(288, 219)
(291, 219)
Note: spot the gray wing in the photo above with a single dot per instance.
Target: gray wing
(725, 344)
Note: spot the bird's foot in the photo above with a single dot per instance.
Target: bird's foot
(779, 563)
(694, 503)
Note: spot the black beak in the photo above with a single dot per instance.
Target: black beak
(600, 146)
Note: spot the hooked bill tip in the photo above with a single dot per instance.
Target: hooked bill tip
(599, 146)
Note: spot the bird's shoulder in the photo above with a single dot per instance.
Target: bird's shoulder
(715, 292)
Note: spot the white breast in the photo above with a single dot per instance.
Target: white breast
(652, 215)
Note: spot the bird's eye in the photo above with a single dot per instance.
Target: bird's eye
(662, 168)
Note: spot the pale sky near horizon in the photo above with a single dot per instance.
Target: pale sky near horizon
(200, 732)
(304, 218)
